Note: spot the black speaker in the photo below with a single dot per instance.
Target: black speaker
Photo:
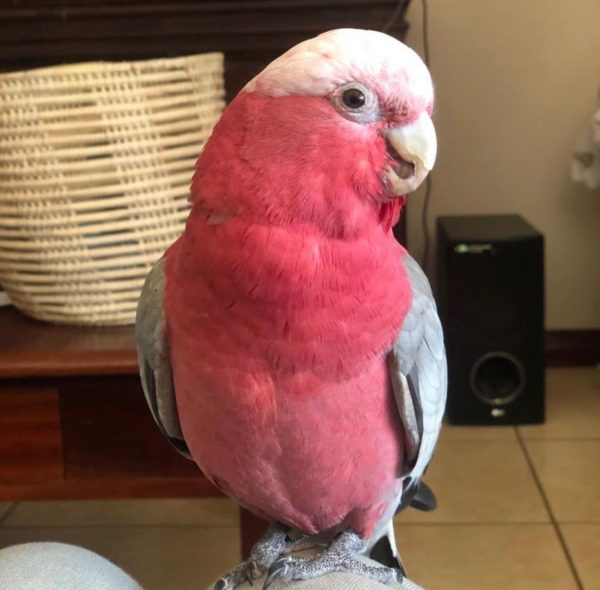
(490, 288)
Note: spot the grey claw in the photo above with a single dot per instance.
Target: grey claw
(279, 568)
(395, 576)
(250, 573)
(220, 585)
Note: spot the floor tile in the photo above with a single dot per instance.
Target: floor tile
(570, 475)
(583, 541)
(451, 432)
(572, 405)
(197, 511)
(159, 558)
(483, 481)
(494, 557)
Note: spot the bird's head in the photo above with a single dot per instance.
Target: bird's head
(334, 132)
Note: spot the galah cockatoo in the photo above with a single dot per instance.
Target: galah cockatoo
(286, 341)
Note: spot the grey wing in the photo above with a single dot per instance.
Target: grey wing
(418, 373)
(153, 358)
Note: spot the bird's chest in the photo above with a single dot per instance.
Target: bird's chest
(278, 358)
(292, 304)
(320, 304)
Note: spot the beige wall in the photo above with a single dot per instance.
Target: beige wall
(516, 83)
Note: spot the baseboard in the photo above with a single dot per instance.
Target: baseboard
(565, 348)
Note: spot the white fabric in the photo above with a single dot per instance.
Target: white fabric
(336, 581)
(56, 566)
(333, 582)
(585, 162)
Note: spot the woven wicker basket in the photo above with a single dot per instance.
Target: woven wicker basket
(95, 165)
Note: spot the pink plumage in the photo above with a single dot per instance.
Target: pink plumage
(287, 291)
(278, 321)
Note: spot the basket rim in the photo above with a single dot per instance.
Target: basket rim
(87, 67)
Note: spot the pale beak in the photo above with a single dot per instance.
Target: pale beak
(413, 148)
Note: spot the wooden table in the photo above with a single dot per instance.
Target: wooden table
(74, 422)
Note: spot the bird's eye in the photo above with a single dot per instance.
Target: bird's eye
(354, 98)
(357, 102)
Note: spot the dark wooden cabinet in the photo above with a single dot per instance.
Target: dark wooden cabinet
(72, 416)
(250, 32)
(73, 421)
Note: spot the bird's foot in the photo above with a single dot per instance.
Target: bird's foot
(265, 552)
(339, 557)
(237, 576)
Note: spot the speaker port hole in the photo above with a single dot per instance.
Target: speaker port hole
(497, 378)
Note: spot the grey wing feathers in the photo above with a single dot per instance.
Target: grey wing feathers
(418, 373)
(153, 358)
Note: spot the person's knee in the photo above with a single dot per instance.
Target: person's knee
(56, 566)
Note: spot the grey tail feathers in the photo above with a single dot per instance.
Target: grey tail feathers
(418, 495)
(385, 552)
(424, 499)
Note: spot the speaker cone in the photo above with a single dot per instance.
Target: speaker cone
(497, 378)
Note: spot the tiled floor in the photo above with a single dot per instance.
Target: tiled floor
(519, 509)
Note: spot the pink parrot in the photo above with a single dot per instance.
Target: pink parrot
(286, 341)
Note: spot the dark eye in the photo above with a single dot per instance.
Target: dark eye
(356, 102)
(353, 98)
